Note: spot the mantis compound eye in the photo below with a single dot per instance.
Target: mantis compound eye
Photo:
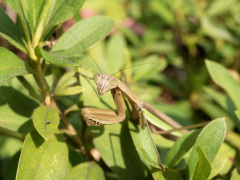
(96, 78)
(113, 84)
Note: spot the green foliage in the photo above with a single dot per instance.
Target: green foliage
(43, 158)
(203, 168)
(46, 121)
(86, 170)
(180, 148)
(11, 66)
(210, 139)
(162, 46)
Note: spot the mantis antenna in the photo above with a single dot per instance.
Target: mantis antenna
(129, 68)
(85, 50)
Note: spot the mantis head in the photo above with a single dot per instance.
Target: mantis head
(105, 82)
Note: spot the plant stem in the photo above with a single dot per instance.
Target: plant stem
(48, 100)
(42, 83)
(72, 132)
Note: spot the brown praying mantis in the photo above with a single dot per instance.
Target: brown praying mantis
(97, 117)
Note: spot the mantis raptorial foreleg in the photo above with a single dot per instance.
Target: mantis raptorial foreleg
(96, 117)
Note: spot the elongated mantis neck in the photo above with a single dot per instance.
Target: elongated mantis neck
(124, 88)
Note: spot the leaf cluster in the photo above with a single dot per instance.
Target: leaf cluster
(43, 134)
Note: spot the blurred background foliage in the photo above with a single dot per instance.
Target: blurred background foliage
(174, 37)
(178, 35)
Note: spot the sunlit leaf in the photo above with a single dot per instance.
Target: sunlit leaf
(223, 78)
(46, 121)
(9, 31)
(87, 32)
(42, 159)
(218, 32)
(69, 91)
(144, 145)
(168, 174)
(86, 170)
(59, 58)
(181, 147)
(223, 161)
(11, 66)
(58, 12)
(210, 140)
(203, 168)
(235, 174)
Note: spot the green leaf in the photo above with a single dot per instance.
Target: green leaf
(168, 174)
(144, 145)
(214, 111)
(14, 122)
(66, 80)
(210, 139)
(42, 159)
(86, 170)
(180, 148)
(233, 138)
(87, 32)
(223, 161)
(46, 121)
(32, 10)
(62, 87)
(222, 77)
(235, 174)
(203, 168)
(59, 58)
(161, 9)
(115, 54)
(220, 6)
(217, 32)
(18, 102)
(60, 11)
(9, 31)
(159, 123)
(18, 6)
(117, 150)
(11, 66)
(150, 161)
(225, 103)
(150, 68)
(69, 91)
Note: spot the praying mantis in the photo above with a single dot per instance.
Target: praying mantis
(97, 117)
